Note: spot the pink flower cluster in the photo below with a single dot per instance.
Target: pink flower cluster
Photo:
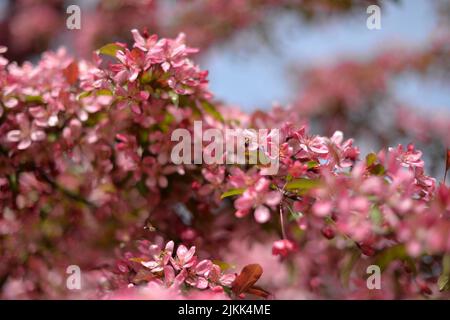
(355, 97)
(175, 271)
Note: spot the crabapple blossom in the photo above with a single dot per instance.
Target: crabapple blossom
(282, 247)
(26, 134)
(160, 259)
(173, 272)
(86, 177)
(260, 198)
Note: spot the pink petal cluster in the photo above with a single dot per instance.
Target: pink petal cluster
(176, 270)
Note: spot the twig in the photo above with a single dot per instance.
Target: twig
(283, 231)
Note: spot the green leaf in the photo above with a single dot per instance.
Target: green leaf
(84, 95)
(104, 92)
(193, 104)
(378, 170)
(294, 215)
(95, 118)
(52, 137)
(143, 136)
(376, 216)
(110, 49)
(224, 266)
(232, 192)
(212, 111)
(446, 264)
(443, 282)
(146, 77)
(312, 164)
(165, 124)
(444, 279)
(13, 183)
(397, 252)
(174, 97)
(142, 188)
(35, 99)
(350, 261)
(302, 184)
(371, 158)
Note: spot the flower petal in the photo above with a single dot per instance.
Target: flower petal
(38, 135)
(13, 135)
(181, 252)
(188, 256)
(202, 283)
(203, 266)
(24, 144)
(262, 214)
(273, 198)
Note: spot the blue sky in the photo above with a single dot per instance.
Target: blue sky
(253, 75)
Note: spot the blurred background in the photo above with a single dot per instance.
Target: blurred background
(316, 58)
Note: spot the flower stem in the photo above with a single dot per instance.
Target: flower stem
(283, 231)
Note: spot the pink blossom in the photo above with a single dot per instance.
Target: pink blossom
(260, 198)
(197, 275)
(410, 157)
(219, 280)
(283, 247)
(184, 258)
(160, 259)
(27, 134)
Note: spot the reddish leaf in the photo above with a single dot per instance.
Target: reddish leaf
(448, 160)
(447, 166)
(260, 292)
(247, 278)
(71, 73)
(138, 260)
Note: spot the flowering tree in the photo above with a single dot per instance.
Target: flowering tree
(86, 179)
